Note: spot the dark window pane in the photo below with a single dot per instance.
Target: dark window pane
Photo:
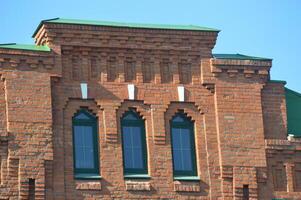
(130, 116)
(245, 192)
(182, 149)
(187, 160)
(185, 138)
(133, 156)
(177, 160)
(82, 116)
(137, 158)
(128, 158)
(84, 151)
(178, 119)
(176, 138)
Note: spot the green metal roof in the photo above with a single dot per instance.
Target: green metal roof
(277, 81)
(239, 57)
(28, 47)
(293, 109)
(126, 25)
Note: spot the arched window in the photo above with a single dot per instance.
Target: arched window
(85, 143)
(133, 144)
(183, 146)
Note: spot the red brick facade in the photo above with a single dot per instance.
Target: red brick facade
(239, 116)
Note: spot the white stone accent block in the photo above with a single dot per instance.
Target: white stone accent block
(181, 93)
(84, 90)
(131, 91)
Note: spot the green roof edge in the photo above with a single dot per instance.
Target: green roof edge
(238, 56)
(26, 47)
(277, 81)
(125, 25)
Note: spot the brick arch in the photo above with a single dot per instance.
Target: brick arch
(143, 110)
(189, 109)
(73, 106)
(91, 111)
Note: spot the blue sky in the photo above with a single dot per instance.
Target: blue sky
(266, 28)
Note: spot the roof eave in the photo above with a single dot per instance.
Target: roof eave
(40, 25)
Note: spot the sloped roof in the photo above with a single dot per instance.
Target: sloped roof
(29, 47)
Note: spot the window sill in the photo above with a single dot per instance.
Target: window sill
(87, 176)
(186, 178)
(137, 176)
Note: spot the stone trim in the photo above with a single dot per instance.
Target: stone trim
(186, 186)
(137, 185)
(90, 185)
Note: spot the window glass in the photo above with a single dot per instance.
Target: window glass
(84, 150)
(134, 144)
(178, 119)
(183, 150)
(133, 147)
(82, 116)
(85, 144)
(130, 116)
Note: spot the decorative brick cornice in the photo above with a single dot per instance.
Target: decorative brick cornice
(278, 144)
(18, 59)
(123, 37)
(248, 68)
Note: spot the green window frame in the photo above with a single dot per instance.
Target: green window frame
(137, 123)
(181, 122)
(84, 118)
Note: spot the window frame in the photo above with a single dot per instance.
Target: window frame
(91, 122)
(135, 123)
(186, 124)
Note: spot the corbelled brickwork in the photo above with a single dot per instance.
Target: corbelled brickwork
(239, 116)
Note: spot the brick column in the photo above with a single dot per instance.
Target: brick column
(158, 124)
(109, 121)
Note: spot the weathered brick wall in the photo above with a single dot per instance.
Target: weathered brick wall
(283, 175)
(274, 111)
(27, 140)
(232, 104)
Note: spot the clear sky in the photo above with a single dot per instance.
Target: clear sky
(265, 28)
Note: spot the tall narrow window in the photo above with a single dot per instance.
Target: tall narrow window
(85, 143)
(245, 192)
(133, 144)
(183, 146)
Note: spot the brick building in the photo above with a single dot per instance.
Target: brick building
(137, 111)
